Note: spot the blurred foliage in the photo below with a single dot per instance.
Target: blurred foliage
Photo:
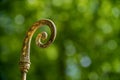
(87, 45)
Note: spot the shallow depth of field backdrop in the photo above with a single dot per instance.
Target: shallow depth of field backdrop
(87, 46)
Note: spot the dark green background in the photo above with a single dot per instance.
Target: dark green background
(87, 46)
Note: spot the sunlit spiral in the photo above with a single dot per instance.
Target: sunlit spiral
(25, 56)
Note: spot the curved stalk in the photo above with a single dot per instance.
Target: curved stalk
(25, 55)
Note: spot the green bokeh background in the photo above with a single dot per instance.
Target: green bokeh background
(87, 45)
